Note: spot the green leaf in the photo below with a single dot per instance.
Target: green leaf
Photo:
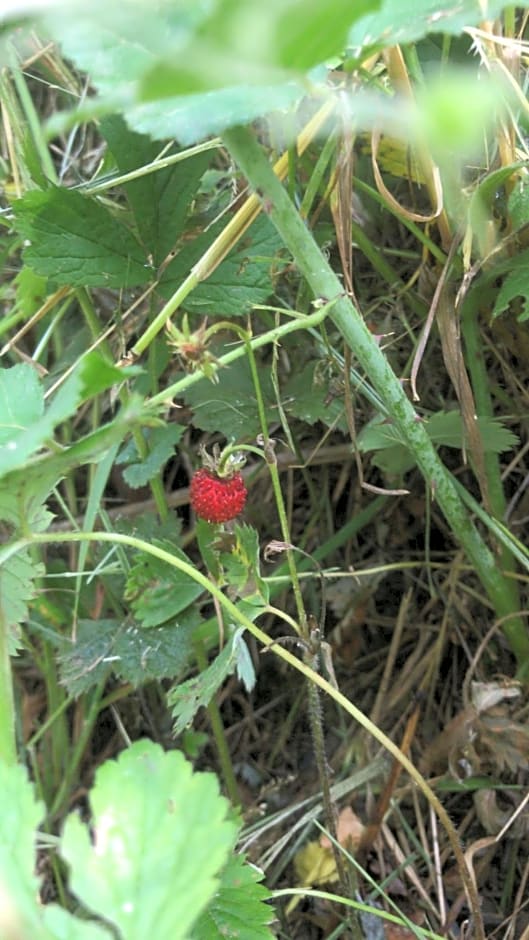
(158, 592)
(133, 655)
(98, 374)
(192, 118)
(242, 280)
(404, 21)
(21, 404)
(242, 566)
(238, 908)
(519, 202)
(258, 54)
(22, 495)
(19, 571)
(305, 396)
(186, 699)
(515, 285)
(21, 816)
(160, 200)
(75, 241)
(25, 426)
(22, 913)
(161, 443)
(447, 428)
(31, 291)
(230, 405)
(159, 836)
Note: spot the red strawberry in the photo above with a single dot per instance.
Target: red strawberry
(217, 499)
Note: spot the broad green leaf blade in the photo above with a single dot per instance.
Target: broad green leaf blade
(75, 241)
(158, 592)
(21, 404)
(404, 21)
(21, 913)
(241, 565)
(161, 443)
(25, 426)
(160, 838)
(447, 428)
(185, 699)
(19, 571)
(242, 280)
(306, 396)
(183, 55)
(515, 285)
(20, 816)
(22, 510)
(131, 653)
(160, 200)
(229, 406)
(238, 908)
(98, 374)
(191, 118)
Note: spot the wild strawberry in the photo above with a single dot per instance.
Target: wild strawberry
(215, 498)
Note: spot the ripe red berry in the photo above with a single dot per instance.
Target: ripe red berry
(217, 499)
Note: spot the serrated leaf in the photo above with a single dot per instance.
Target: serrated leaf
(161, 443)
(133, 655)
(397, 22)
(191, 118)
(75, 241)
(242, 566)
(18, 411)
(31, 291)
(17, 588)
(18, 571)
(186, 699)
(160, 838)
(258, 54)
(21, 815)
(22, 491)
(25, 426)
(160, 200)
(515, 285)
(206, 534)
(158, 592)
(22, 913)
(98, 374)
(378, 434)
(446, 428)
(245, 667)
(242, 280)
(229, 406)
(305, 396)
(519, 203)
(238, 909)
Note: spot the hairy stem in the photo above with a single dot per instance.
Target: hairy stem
(325, 284)
(237, 616)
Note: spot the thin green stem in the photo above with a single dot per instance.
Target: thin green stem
(325, 284)
(101, 184)
(271, 461)
(238, 617)
(257, 342)
(87, 728)
(484, 408)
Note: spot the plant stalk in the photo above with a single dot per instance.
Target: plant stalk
(326, 285)
(238, 616)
